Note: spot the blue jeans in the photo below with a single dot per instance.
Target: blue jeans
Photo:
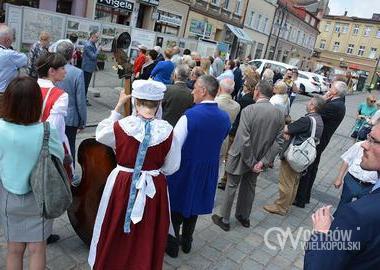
(352, 189)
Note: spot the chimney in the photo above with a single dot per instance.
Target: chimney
(345, 13)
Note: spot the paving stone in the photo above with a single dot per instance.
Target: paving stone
(224, 264)
(251, 265)
(221, 244)
(261, 256)
(196, 261)
(61, 262)
(210, 253)
(236, 255)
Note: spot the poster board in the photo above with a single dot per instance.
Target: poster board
(14, 20)
(141, 37)
(81, 27)
(206, 49)
(35, 21)
(109, 32)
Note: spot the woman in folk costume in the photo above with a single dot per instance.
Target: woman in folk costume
(51, 69)
(132, 222)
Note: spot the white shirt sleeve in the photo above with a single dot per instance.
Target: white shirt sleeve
(57, 115)
(104, 131)
(173, 158)
(180, 131)
(351, 153)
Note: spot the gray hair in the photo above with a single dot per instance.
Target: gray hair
(340, 87)
(210, 83)
(66, 49)
(227, 85)
(268, 74)
(181, 73)
(157, 49)
(5, 31)
(318, 103)
(265, 88)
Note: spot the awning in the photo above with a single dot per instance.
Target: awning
(239, 33)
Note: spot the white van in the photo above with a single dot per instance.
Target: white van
(259, 64)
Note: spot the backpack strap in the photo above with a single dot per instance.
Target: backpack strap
(313, 127)
(45, 141)
(45, 100)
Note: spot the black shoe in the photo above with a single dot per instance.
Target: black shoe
(88, 103)
(245, 222)
(219, 221)
(52, 239)
(186, 245)
(299, 204)
(222, 186)
(172, 251)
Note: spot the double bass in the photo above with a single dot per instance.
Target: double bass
(97, 160)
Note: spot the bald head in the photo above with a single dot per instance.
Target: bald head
(226, 86)
(6, 36)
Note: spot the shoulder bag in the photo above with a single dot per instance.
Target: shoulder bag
(49, 181)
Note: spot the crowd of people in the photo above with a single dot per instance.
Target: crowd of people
(198, 124)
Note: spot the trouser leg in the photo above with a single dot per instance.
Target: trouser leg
(288, 185)
(231, 187)
(230, 141)
(173, 241)
(87, 80)
(71, 133)
(188, 228)
(246, 195)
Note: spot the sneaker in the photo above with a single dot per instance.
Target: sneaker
(218, 220)
(245, 222)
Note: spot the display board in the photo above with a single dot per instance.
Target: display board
(14, 21)
(141, 37)
(81, 27)
(206, 49)
(35, 21)
(109, 32)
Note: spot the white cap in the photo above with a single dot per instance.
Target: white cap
(148, 89)
(142, 47)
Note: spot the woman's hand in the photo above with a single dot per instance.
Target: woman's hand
(123, 98)
(338, 182)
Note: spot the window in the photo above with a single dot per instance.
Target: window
(312, 22)
(257, 22)
(336, 46)
(356, 29)
(372, 53)
(327, 27)
(298, 36)
(303, 41)
(361, 50)
(226, 3)
(367, 31)
(259, 50)
(264, 25)
(250, 18)
(289, 33)
(337, 27)
(378, 33)
(256, 63)
(345, 28)
(350, 48)
(307, 18)
(215, 2)
(238, 7)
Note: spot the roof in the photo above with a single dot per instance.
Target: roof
(298, 11)
(350, 19)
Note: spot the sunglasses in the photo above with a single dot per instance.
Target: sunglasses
(372, 101)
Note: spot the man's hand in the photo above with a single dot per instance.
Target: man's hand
(338, 182)
(322, 219)
(123, 98)
(258, 167)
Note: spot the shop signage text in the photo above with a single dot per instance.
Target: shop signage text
(169, 19)
(151, 2)
(117, 4)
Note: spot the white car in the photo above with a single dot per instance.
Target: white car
(324, 81)
(259, 64)
(308, 82)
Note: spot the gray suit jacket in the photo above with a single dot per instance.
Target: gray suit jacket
(261, 124)
(177, 100)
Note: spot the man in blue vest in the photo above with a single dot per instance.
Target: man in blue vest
(200, 132)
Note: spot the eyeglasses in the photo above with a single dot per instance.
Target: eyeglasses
(371, 140)
(372, 101)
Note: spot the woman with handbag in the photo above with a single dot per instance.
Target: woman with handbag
(20, 145)
(296, 133)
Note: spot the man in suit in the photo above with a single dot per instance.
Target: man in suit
(90, 55)
(238, 78)
(359, 219)
(177, 98)
(260, 125)
(73, 84)
(332, 115)
(231, 107)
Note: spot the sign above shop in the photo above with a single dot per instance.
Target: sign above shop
(169, 19)
(122, 4)
(150, 2)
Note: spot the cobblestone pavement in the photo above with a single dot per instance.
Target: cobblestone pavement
(240, 248)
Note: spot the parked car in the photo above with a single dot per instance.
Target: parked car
(324, 81)
(259, 64)
(308, 82)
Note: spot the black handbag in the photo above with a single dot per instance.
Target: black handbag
(49, 182)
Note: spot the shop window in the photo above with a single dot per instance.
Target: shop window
(259, 50)
(64, 6)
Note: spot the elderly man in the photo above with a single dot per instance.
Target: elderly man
(332, 115)
(38, 48)
(90, 55)
(73, 84)
(328, 248)
(300, 130)
(200, 132)
(177, 98)
(10, 60)
(260, 124)
(231, 107)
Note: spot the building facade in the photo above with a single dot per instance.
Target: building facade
(350, 43)
(293, 35)
(258, 24)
